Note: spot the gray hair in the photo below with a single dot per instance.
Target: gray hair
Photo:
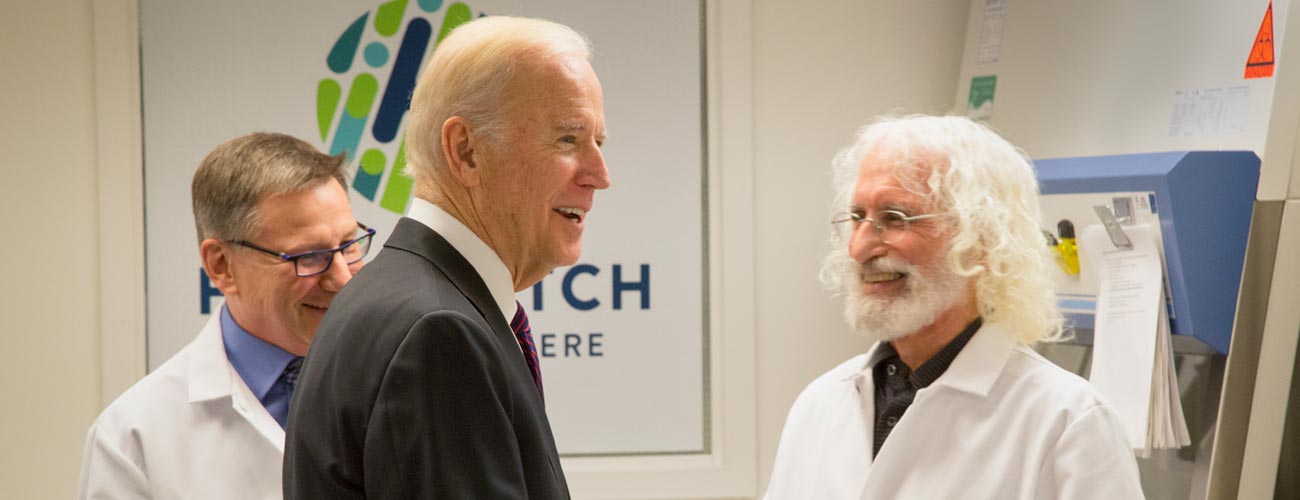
(989, 187)
(469, 75)
(241, 172)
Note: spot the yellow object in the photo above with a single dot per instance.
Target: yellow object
(1067, 255)
(1067, 249)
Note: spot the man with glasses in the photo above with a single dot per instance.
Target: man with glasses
(424, 381)
(277, 237)
(939, 254)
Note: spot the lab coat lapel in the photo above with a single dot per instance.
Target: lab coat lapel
(902, 469)
(890, 468)
(212, 377)
(865, 384)
(846, 433)
(980, 363)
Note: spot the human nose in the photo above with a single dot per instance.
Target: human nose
(867, 242)
(339, 273)
(594, 173)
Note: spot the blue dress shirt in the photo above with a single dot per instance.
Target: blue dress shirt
(260, 364)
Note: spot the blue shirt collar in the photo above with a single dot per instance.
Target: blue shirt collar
(257, 361)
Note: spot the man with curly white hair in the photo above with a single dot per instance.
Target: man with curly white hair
(939, 254)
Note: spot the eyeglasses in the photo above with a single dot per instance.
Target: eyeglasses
(316, 262)
(889, 225)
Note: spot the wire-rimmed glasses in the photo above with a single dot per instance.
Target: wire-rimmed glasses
(316, 262)
(889, 225)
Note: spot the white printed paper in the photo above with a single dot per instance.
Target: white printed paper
(1168, 425)
(990, 45)
(1125, 331)
(1209, 111)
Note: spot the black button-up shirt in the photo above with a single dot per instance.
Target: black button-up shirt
(896, 384)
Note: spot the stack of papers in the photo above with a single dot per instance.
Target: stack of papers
(1133, 358)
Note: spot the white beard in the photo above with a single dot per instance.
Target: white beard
(929, 291)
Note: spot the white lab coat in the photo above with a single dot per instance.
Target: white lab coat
(1002, 423)
(190, 430)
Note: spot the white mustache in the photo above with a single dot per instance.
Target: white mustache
(885, 264)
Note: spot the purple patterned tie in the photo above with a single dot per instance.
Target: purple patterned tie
(524, 335)
(290, 373)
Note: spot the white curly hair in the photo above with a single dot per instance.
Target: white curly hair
(989, 189)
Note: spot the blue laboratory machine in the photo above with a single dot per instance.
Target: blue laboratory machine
(1199, 206)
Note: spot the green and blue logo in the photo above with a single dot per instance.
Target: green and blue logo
(346, 120)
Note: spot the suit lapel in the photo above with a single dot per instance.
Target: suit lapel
(414, 237)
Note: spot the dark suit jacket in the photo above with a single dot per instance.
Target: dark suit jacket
(416, 388)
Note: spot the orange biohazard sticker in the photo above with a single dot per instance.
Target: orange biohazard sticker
(1260, 63)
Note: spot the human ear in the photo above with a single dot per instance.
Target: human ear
(460, 148)
(216, 262)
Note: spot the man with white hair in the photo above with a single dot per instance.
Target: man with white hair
(941, 259)
(424, 380)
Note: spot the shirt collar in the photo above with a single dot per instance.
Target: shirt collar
(257, 361)
(931, 369)
(485, 261)
(882, 352)
(982, 361)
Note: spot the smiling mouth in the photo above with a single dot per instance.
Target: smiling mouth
(316, 307)
(879, 277)
(574, 214)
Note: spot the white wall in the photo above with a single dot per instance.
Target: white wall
(820, 70)
(49, 304)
